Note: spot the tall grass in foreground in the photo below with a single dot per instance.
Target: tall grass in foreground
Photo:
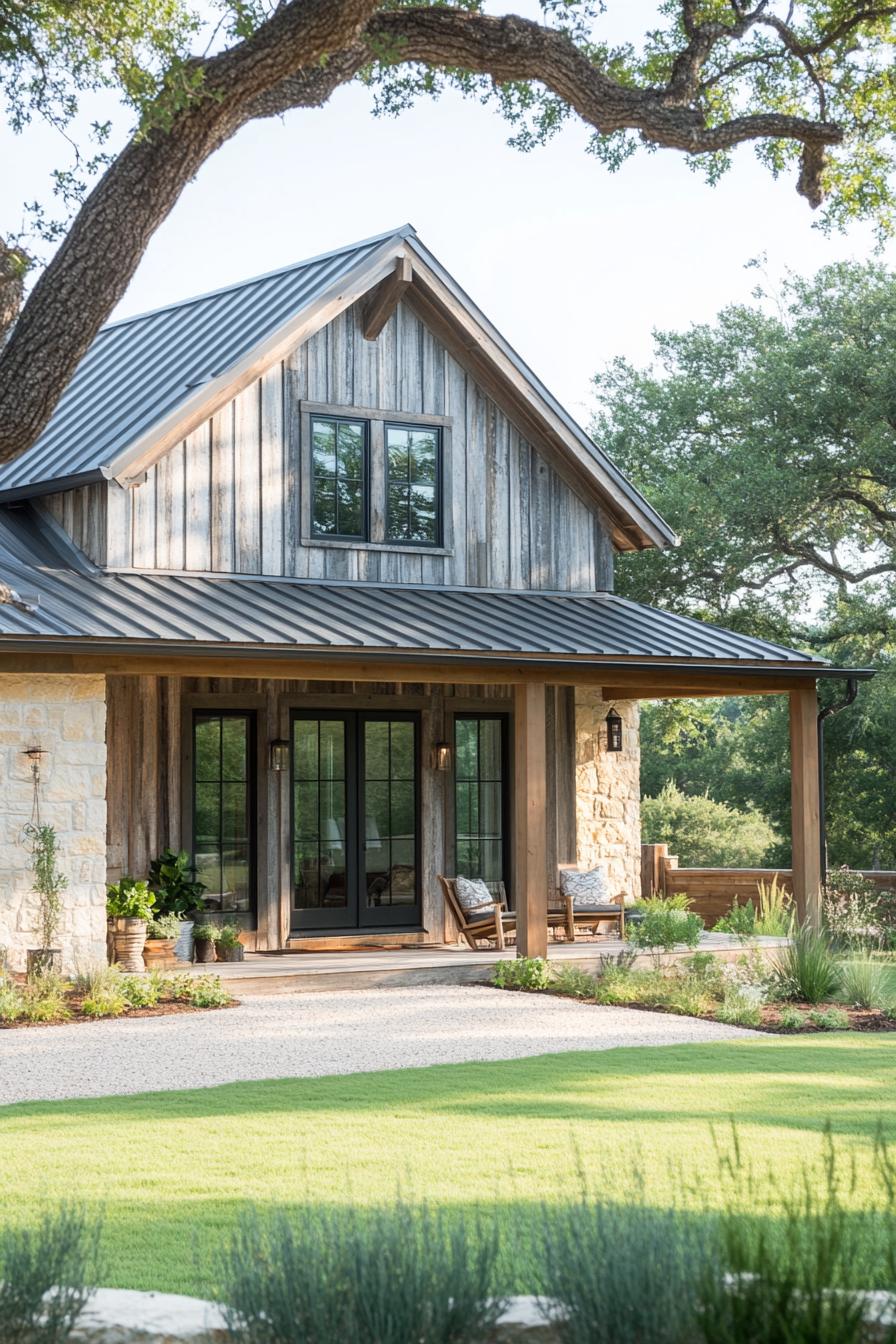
(45, 1275)
(807, 968)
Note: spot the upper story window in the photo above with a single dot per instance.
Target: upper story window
(339, 477)
(412, 484)
(374, 479)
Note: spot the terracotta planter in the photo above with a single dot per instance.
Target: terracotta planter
(159, 953)
(42, 959)
(203, 950)
(231, 953)
(128, 937)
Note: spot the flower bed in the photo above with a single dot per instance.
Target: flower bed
(53, 1000)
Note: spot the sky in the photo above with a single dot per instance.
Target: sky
(574, 265)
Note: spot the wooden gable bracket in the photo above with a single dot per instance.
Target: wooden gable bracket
(385, 298)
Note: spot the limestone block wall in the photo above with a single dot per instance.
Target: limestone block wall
(608, 792)
(66, 717)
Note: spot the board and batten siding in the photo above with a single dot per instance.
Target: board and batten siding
(228, 498)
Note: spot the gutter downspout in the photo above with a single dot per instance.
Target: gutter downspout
(852, 690)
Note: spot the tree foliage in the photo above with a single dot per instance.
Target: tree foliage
(768, 439)
(704, 833)
(809, 84)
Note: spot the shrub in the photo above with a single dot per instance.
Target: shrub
(857, 912)
(49, 881)
(704, 833)
(806, 968)
(129, 899)
(163, 926)
(523, 973)
(791, 1019)
(59, 1253)
(740, 921)
(228, 936)
(43, 999)
(12, 1007)
(172, 879)
(97, 978)
(205, 991)
(775, 916)
(865, 981)
(739, 1009)
(381, 1276)
(142, 991)
(206, 933)
(830, 1019)
(573, 981)
(105, 1003)
(665, 925)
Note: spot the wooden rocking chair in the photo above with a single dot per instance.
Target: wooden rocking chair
(493, 923)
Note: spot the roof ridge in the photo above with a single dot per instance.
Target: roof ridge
(404, 231)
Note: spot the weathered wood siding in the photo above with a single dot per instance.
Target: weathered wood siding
(146, 792)
(228, 499)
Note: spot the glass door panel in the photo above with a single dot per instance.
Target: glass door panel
(480, 797)
(323, 859)
(390, 810)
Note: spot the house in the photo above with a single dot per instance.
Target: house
(313, 577)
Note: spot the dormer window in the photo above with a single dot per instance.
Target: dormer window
(374, 479)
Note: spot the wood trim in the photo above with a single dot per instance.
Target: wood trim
(324, 408)
(530, 819)
(205, 401)
(386, 298)
(805, 806)
(681, 689)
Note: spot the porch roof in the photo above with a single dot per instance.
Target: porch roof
(67, 606)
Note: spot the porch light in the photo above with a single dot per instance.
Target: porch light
(440, 757)
(280, 755)
(614, 731)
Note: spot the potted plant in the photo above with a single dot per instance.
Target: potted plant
(162, 933)
(49, 884)
(129, 905)
(228, 946)
(172, 879)
(205, 936)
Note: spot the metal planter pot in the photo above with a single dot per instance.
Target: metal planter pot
(128, 939)
(203, 950)
(41, 960)
(183, 948)
(231, 953)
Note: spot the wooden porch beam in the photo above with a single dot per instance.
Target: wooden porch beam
(805, 806)
(385, 298)
(681, 691)
(530, 819)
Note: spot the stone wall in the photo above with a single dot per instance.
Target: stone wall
(608, 792)
(66, 717)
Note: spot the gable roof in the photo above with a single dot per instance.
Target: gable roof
(147, 380)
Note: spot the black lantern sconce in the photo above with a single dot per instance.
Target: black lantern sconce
(440, 757)
(614, 731)
(280, 755)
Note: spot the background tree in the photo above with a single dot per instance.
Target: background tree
(768, 440)
(809, 84)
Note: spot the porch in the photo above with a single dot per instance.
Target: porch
(448, 964)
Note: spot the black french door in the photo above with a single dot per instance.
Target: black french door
(355, 820)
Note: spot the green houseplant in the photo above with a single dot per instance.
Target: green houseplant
(129, 906)
(172, 878)
(49, 884)
(228, 945)
(162, 933)
(205, 936)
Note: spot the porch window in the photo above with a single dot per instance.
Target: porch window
(224, 807)
(413, 472)
(480, 802)
(339, 478)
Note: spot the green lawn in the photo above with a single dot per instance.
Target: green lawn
(174, 1170)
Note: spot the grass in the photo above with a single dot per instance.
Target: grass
(176, 1171)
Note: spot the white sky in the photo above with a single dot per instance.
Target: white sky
(573, 264)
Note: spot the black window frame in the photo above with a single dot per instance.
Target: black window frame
(364, 535)
(251, 717)
(438, 483)
(503, 719)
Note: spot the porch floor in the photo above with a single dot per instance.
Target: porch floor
(441, 964)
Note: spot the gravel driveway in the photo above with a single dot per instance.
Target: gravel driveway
(307, 1035)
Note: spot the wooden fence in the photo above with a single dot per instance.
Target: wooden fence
(712, 890)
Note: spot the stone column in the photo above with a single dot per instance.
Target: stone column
(66, 717)
(608, 792)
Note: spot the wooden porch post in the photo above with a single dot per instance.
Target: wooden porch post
(805, 806)
(530, 819)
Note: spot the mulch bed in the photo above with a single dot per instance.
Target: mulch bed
(860, 1019)
(166, 1008)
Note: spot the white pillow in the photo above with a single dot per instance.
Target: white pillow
(585, 888)
(472, 893)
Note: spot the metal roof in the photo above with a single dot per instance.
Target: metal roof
(139, 369)
(219, 612)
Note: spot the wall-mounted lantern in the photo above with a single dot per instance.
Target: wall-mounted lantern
(614, 731)
(440, 757)
(35, 757)
(280, 755)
